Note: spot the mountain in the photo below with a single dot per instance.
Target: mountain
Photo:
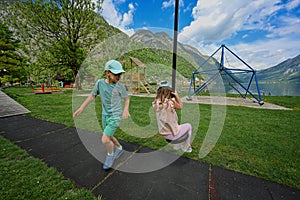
(189, 58)
(156, 52)
(288, 70)
(162, 41)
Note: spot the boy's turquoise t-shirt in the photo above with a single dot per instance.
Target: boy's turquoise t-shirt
(111, 95)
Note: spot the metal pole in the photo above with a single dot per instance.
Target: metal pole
(175, 45)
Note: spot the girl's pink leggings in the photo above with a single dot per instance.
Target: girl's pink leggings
(182, 130)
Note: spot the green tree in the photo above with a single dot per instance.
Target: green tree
(11, 63)
(59, 33)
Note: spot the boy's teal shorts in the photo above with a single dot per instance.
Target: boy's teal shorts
(110, 125)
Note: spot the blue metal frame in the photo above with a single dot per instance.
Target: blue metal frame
(227, 74)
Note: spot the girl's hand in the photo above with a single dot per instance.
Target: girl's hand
(175, 94)
(177, 104)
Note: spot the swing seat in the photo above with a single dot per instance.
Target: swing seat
(180, 139)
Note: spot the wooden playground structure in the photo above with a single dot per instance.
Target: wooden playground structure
(135, 77)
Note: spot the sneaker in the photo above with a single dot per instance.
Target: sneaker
(187, 149)
(176, 146)
(117, 153)
(108, 162)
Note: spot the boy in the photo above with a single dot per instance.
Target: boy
(111, 91)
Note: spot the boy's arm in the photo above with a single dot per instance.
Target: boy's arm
(88, 100)
(126, 114)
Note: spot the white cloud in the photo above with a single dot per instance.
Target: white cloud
(290, 27)
(167, 4)
(216, 21)
(116, 18)
(110, 13)
(292, 4)
(259, 55)
(128, 17)
(171, 3)
(188, 8)
(265, 54)
(245, 36)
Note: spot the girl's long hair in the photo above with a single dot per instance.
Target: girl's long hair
(163, 94)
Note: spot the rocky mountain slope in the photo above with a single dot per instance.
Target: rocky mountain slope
(288, 70)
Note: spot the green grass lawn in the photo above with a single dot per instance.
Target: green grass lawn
(25, 177)
(259, 142)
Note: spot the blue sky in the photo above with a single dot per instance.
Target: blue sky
(262, 32)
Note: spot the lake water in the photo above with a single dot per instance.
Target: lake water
(273, 89)
(268, 89)
(280, 89)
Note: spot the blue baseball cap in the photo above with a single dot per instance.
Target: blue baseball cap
(114, 66)
(164, 84)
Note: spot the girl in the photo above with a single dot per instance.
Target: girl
(165, 105)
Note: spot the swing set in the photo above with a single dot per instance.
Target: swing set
(228, 74)
(238, 79)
